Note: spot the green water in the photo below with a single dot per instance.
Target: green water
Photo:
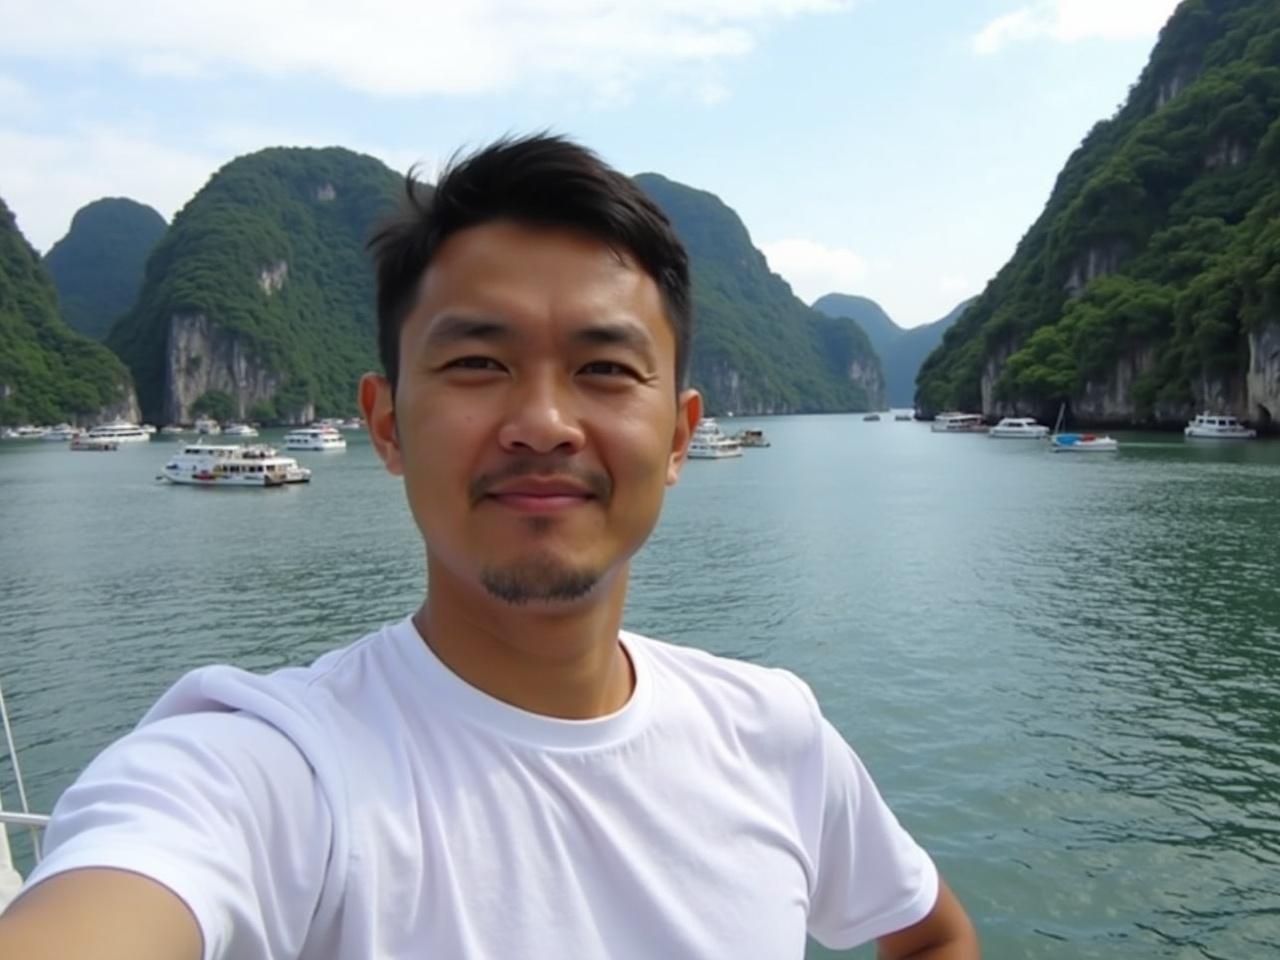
(1063, 670)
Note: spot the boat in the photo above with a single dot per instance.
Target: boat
(351, 423)
(120, 431)
(62, 432)
(239, 430)
(1019, 428)
(958, 423)
(207, 426)
(710, 443)
(233, 465)
(902, 415)
(1083, 443)
(750, 438)
(83, 442)
(27, 432)
(172, 430)
(1212, 426)
(314, 438)
(872, 418)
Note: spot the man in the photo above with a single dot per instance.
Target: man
(506, 773)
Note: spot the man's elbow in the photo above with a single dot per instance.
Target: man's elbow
(946, 933)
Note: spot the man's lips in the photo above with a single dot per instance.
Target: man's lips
(539, 495)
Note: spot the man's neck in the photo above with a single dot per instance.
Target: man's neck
(561, 662)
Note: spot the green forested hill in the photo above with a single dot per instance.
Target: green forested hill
(757, 348)
(1150, 284)
(901, 352)
(48, 373)
(261, 290)
(97, 266)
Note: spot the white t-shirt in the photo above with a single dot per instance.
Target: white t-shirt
(375, 805)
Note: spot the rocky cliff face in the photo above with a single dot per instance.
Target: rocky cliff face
(870, 377)
(1263, 379)
(201, 357)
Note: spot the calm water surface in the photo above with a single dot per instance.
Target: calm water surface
(1064, 671)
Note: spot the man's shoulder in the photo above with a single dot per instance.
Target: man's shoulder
(732, 690)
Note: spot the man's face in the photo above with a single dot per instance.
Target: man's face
(537, 417)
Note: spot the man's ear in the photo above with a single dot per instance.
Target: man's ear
(379, 409)
(688, 413)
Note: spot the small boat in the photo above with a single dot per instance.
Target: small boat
(902, 415)
(230, 465)
(351, 423)
(750, 438)
(1083, 443)
(315, 438)
(871, 418)
(86, 442)
(239, 430)
(710, 443)
(1210, 426)
(172, 430)
(207, 426)
(958, 423)
(1019, 428)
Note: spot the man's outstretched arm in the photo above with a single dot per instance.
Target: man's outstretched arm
(99, 914)
(945, 934)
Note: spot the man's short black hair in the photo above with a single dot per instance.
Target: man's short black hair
(539, 180)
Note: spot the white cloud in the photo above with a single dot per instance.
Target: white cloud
(390, 47)
(16, 98)
(1068, 21)
(814, 269)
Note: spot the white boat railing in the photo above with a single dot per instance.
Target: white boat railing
(32, 821)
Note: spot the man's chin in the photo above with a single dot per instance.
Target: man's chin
(540, 581)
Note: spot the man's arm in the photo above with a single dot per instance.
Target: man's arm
(945, 934)
(99, 914)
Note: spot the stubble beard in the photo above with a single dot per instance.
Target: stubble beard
(542, 578)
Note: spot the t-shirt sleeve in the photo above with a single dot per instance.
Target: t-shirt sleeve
(871, 877)
(223, 810)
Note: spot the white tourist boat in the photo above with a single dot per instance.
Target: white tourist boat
(710, 443)
(62, 432)
(207, 427)
(26, 432)
(239, 430)
(233, 465)
(958, 423)
(1019, 428)
(121, 431)
(1210, 426)
(314, 438)
(172, 430)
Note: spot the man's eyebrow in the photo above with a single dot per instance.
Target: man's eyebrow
(455, 327)
(620, 333)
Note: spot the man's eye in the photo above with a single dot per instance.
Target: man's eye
(608, 368)
(473, 363)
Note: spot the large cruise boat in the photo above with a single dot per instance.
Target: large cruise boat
(1209, 426)
(314, 438)
(710, 443)
(121, 431)
(230, 465)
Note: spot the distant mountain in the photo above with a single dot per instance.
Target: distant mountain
(901, 351)
(97, 266)
(259, 298)
(1149, 287)
(48, 372)
(757, 348)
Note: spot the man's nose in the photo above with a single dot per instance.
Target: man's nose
(542, 418)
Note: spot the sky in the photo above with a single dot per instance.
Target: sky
(896, 149)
